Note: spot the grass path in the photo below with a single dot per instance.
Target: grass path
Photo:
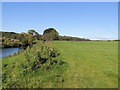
(91, 64)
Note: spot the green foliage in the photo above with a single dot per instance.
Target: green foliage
(50, 34)
(44, 57)
(27, 40)
(11, 39)
(31, 69)
(11, 35)
(27, 56)
(50, 30)
(69, 38)
(8, 44)
(33, 32)
(31, 36)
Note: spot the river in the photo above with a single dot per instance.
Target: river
(4, 52)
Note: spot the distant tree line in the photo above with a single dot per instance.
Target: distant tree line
(69, 38)
(11, 35)
(48, 34)
(29, 38)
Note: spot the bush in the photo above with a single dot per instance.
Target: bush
(44, 57)
(25, 43)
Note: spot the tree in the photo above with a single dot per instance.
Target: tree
(27, 39)
(50, 34)
(33, 32)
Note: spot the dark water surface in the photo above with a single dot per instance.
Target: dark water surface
(4, 52)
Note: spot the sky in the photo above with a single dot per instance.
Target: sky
(92, 20)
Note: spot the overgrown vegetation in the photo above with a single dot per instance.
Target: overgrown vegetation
(34, 67)
(44, 57)
(11, 39)
(8, 43)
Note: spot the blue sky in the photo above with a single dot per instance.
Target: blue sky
(93, 20)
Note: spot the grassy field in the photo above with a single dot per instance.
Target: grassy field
(89, 64)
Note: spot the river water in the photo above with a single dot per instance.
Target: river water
(4, 52)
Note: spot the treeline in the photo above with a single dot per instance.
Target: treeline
(12, 39)
(48, 34)
(69, 38)
(11, 35)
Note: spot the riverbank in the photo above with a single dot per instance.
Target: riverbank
(10, 43)
(88, 65)
(13, 44)
(21, 76)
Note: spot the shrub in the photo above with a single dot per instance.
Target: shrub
(42, 57)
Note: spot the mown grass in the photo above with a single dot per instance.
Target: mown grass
(89, 65)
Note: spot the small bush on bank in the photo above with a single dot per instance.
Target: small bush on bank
(42, 57)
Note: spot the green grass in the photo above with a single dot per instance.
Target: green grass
(90, 64)
(16, 76)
